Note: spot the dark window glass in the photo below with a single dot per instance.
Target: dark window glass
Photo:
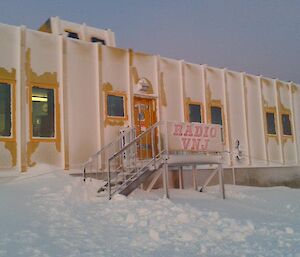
(216, 115)
(271, 129)
(216, 118)
(5, 110)
(42, 112)
(98, 40)
(194, 113)
(286, 124)
(72, 34)
(115, 105)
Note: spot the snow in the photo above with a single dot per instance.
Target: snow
(54, 214)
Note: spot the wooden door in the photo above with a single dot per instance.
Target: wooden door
(144, 117)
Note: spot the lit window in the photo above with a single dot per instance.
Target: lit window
(195, 113)
(286, 125)
(216, 115)
(98, 40)
(115, 106)
(5, 110)
(43, 119)
(72, 34)
(271, 128)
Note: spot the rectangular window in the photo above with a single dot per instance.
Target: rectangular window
(195, 113)
(216, 115)
(115, 106)
(286, 125)
(271, 128)
(216, 118)
(72, 34)
(98, 40)
(5, 110)
(43, 119)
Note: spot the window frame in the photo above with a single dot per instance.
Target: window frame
(286, 112)
(12, 84)
(118, 94)
(100, 40)
(218, 104)
(187, 110)
(72, 31)
(56, 113)
(271, 110)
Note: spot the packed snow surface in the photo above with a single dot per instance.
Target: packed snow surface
(55, 214)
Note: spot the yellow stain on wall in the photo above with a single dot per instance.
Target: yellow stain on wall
(107, 87)
(136, 78)
(46, 27)
(163, 95)
(10, 142)
(7, 75)
(11, 146)
(45, 80)
(134, 75)
(31, 148)
(111, 122)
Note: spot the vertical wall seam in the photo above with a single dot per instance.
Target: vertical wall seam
(292, 104)
(245, 104)
(263, 122)
(227, 115)
(278, 114)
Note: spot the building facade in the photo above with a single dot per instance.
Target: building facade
(67, 90)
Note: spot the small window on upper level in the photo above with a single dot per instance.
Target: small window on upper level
(195, 113)
(43, 120)
(5, 110)
(72, 34)
(286, 125)
(271, 126)
(115, 106)
(216, 115)
(98, 40)
(217, 118)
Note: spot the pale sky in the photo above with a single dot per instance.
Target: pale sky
(255, 36)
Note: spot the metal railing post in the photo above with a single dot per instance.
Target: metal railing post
(108, 182)
(221, 180)
(152, 146)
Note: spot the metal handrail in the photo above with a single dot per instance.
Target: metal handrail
(135, 139)
(95, 156)
(155, 157)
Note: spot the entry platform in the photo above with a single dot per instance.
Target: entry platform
(152, 153)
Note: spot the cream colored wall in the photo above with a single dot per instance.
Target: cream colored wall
(9, 52)
(114, 65)
(289, 150)
(194, 88)
(216, 93)
(84, 32)
(237, 119)
(41, 47)
(171, 90)
(82, 96)
(146, 67)
(255, 120)
(83, 72)
(269, 96)
(295, 99)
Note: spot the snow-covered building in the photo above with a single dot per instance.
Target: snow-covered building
(66, 91)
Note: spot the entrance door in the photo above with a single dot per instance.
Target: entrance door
(144, 117)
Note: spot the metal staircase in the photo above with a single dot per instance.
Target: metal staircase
(130, 160)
